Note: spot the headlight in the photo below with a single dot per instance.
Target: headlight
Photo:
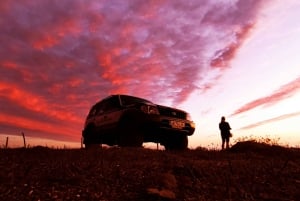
(188, 117)
(149, 109)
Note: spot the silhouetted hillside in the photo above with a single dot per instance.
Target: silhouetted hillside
(249, 171)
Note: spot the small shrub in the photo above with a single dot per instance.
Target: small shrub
(262, 140)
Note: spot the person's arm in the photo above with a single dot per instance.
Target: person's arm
(229, 128)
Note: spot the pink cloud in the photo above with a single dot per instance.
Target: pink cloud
(57, 62)
(34, 103)
(282, 93)
(38, 126)
(260, 123)
(224, 56)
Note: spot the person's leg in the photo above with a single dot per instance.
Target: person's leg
(223, 142)
(227, 143)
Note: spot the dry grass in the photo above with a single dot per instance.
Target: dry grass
(248, 171)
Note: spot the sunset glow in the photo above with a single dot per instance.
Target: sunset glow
(238, 59)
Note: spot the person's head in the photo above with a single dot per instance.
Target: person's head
(223, 118)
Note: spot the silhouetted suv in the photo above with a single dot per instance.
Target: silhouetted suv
(129, 121)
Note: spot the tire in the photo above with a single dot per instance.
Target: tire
(183, 142)
(130, 132)
(89, 140)
(92, 146)
(179, 142)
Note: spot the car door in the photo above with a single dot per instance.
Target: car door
(111, 113)
(98, 117)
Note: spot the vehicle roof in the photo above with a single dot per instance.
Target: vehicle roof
(114, 95)
(129, 96)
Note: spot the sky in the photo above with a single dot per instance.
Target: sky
(212, 58)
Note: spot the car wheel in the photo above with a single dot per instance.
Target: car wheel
(182, 142)
(89, 140)
(130, 133)
(179, 142)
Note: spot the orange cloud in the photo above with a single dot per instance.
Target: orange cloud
(96, 21)
(9, 64)
(25, 123)
(74, 82)
(35, 103)
(45, 42)
(14, 67)
(54, 33)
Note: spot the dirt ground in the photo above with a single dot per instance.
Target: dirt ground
(248, 171)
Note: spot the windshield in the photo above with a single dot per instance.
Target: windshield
(129, 100)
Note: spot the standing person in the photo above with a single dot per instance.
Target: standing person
(225, 132)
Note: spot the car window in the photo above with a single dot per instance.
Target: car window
(111, 104)
(98, 108)
(129, 100)
(92, 112)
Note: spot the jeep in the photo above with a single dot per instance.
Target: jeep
(129, 121)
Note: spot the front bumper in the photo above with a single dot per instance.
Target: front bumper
(162, 125)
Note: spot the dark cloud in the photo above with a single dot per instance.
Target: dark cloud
(282, 93)
(57, 57)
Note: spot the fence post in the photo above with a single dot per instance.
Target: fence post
(24, 139)
(6, 144)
